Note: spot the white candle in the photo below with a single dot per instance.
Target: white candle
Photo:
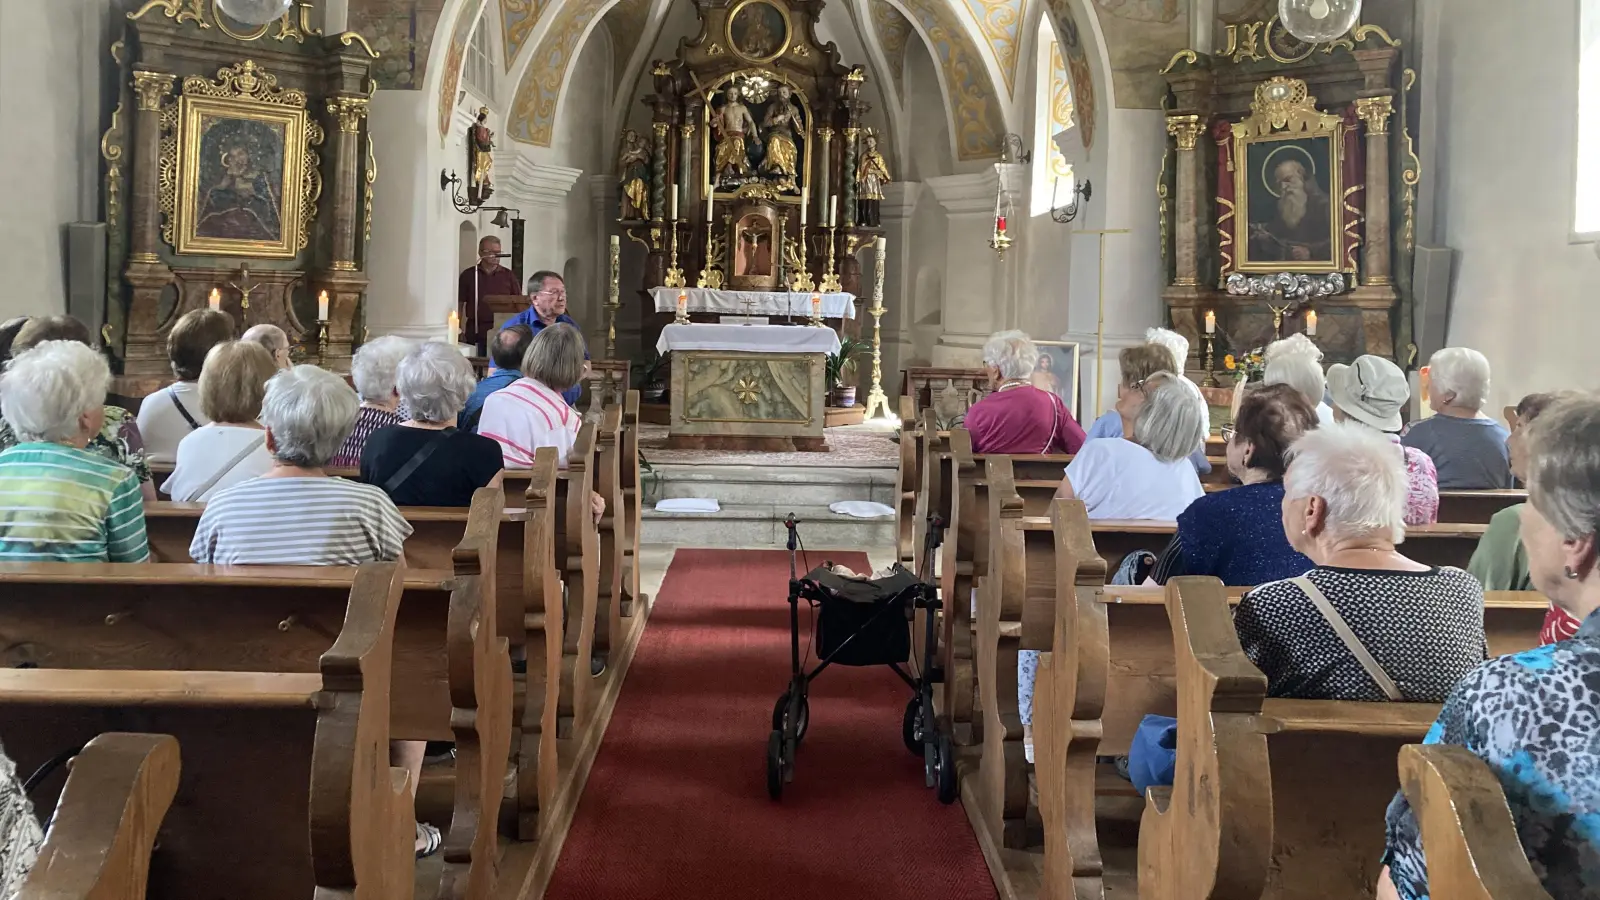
(674, 203)
(1211, 322)
(709, 200)
(322, 307)
(805, 200)
(215, 300)
(455, 327)
(833, 211)
(1311, 323)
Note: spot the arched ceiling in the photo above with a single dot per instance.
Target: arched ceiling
(975, 111)
(1000, 21)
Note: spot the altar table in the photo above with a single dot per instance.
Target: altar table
(747, 387)
(838, 305)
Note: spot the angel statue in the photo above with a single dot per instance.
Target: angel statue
(782, 121)
(633, 176)
(872, 173)
(480, 158)
(733, 123)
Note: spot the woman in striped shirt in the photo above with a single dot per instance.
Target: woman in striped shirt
(58, 501)
(530, 412)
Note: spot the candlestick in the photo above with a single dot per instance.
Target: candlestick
(1211, 322)
(1211, 378)
(674, 273)
(322, 306)
(682, 318)
(1311, 323)
(830, 278)
(876, 398)
(322, 342)
(215, 301)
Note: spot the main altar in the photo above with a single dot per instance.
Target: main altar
(754, 190)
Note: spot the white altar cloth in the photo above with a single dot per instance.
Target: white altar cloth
(839, 305)
(748, 338)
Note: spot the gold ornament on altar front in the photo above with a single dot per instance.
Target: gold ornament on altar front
(748, 390)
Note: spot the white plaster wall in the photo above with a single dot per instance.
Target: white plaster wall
(1507, 101)
(51, 57)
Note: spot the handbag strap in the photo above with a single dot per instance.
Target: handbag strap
(403, 473)
(1055, 421)
(1351, 642)
(172, 394)
(222, 472)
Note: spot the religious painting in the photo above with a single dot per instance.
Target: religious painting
(1288, 190)
(246, 175)
(1057, 371)
(1290, 211)
(758, 31)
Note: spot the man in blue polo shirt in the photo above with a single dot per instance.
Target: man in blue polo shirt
(548, 295)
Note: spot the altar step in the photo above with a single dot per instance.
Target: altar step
(755, 499)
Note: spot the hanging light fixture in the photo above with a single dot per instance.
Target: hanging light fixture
(1319, 21)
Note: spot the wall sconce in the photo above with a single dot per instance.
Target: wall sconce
(450, 183)
(1082, 192)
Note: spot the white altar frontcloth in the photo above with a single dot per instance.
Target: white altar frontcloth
(839, 305)
(748, 338)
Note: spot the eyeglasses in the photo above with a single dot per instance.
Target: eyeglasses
(554, 295)
(1228, 432)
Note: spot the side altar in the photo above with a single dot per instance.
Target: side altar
(747, 387)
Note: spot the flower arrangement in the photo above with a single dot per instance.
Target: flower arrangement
(1253, 364)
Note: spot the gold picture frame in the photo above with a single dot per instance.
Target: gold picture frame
(1288, 147)
(738, 38)
(240, 175)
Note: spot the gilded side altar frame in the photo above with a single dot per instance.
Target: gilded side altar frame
(1283, 111)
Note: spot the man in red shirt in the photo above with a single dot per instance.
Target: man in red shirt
(486, 279)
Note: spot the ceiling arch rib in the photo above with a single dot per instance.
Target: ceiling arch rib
(1073, 41)
(517, 21)
(886, 69)
(891, 31)
(977, 123)
(533, 111)
(1000, 23)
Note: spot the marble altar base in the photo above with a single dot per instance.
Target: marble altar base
(750, 401)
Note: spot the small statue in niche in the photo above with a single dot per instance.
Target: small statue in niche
(733, 123)
(782, 122)
(633, 176)
(872, 173)
(480, 158)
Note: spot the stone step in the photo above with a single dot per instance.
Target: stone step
(755, 485)
(761, 525)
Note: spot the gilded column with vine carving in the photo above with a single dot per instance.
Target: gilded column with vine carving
(1186, 130)
(347, 113)
(150, 91)
(1374, 113)
(658, 173)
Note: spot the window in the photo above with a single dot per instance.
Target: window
(1052, 115)
(479, 69)
(1586, 221)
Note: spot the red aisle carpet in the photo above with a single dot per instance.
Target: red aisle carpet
(677, 807)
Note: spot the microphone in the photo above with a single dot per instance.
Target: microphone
(494, 256)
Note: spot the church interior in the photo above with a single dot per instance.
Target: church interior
(1066, 333)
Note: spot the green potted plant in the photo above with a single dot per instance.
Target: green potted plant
(841, 372)
(653, 378)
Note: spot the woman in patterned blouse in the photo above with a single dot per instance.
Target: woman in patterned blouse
(1534, 717)
(373, 370)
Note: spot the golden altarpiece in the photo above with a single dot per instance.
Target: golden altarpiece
(1288, 193)
(239, 175)
(747, 180)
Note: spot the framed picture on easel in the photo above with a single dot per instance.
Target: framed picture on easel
(1057, 371)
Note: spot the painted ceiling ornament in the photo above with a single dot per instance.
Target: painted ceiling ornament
(1319, 21)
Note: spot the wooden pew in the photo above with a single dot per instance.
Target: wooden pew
(908, 478)
(1442, 544)
(632, 511)
(577, 559)
(1476, 507)
(104, 826)
(1468, 834)
(607, 479)
(538, 691)
(451, 668)
(1272, 798)
(286, 790)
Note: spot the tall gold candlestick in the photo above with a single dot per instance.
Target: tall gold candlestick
(830, 278)
(613, 297)
(877, 399)
(675, 274)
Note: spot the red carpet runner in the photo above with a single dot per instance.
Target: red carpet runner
(677, 807)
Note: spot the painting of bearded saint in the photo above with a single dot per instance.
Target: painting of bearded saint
(241, 180)
(1290, 212)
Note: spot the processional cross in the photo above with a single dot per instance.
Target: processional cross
(244, 286)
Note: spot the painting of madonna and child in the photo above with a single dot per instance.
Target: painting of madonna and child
(1289, 207)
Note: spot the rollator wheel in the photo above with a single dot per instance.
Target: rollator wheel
(947, 770)
(911, 727)
(775, 764)
(780, 710)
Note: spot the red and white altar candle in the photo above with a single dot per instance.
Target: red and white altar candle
(322, 306)
(816, 306)
(215, 301)
(683, 301)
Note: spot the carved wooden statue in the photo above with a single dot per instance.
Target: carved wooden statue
(733, 123)
(782, 122)
(633, 175)
(480, 158)
(872, 174)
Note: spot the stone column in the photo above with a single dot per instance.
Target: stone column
(346, 113)
(685, 179)
(1374, 112)
(969, 266)
(1186, 130)
(847, 174)
(824, 174)
(147, 276)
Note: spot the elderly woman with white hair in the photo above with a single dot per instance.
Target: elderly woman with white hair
(1297, 362)
(1015, 416)
(58, 501)
(1149, 476)
(425, 461)
(373, 370)
(1531, 716)
(1367, 623)
(1467, 447)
